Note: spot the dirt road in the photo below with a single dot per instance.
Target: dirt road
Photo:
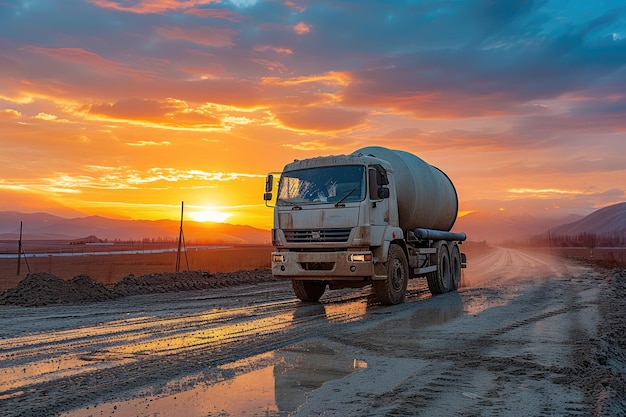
(528, 335)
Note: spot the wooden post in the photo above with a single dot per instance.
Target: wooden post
(181, 239)
(19, 251)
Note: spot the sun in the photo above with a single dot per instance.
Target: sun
(209, 215)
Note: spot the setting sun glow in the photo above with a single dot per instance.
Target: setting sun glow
(209, 215)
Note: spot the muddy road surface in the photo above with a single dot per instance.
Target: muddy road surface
(527, 335)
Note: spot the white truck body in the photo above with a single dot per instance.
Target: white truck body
(377, 216)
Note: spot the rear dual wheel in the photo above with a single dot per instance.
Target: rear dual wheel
(455, 265)
(448, 274)
(441, 280)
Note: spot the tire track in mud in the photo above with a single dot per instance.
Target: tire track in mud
(521, 357)
(143, 354)
(512, 356)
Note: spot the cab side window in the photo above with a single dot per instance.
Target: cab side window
(373, 184)
(377, 179)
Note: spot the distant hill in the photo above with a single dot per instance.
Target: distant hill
(86, 240)
(607, 220)
(500, 227)
(44, 226)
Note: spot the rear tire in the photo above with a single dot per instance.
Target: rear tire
(308, 291)
(393, 289)
(455, 265)
(440, 281)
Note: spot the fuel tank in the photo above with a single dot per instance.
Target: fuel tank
(426, 196)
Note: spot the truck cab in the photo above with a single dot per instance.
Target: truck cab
(336, 224)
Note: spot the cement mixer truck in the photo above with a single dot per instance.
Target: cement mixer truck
(375, 217)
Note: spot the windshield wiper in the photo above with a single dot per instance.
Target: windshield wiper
(346, 195)
(293, 205)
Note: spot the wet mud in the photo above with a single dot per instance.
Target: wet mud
(527, 334)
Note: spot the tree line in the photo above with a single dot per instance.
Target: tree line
(583, 239)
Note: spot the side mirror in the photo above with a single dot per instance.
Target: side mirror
(383, 192)
(269, 183)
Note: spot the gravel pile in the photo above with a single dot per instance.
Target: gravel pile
(40, 289)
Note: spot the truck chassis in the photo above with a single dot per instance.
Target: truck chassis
(440, 261)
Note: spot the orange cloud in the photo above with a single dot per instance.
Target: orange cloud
(321, 119)
(329, 78)
(314, 145)
(545, 192)
(92, 60)
(126, 178)
(274, 66)
(202, 35)
(278, 50)
(294, 6)
(136, 108)
(167, 112)
(9, 114)
(152, 6)
(144, 143)
(301, 28)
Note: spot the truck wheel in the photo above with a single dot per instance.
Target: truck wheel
(309, 291)
(393, 289)
(455, 264)
(440, 281)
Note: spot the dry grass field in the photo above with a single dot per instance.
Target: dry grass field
(607, 257)
(109, 269)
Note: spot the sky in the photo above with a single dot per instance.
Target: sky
(127, 108)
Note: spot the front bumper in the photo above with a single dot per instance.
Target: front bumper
(323, 266)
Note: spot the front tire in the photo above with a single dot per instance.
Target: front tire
(308, 291)
(393, 289)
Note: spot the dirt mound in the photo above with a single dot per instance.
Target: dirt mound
(40, 289)
(187, 281)
(43, 289)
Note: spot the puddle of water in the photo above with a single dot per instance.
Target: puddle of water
(248, 394)
(479, 299)
(450, 308)
(17, 376)
(272, 384)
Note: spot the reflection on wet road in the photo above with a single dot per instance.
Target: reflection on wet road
(224, 352)
(149, 352)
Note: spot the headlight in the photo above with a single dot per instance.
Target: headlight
(278, 258)
(360, 257)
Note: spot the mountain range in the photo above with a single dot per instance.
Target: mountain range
(479, 226)
(498, 227)
(44, 226)
(607, 220)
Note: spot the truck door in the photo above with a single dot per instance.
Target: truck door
(379, 207)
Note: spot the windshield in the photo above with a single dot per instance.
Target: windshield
(336, 184)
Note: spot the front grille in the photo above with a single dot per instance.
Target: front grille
(318, 235)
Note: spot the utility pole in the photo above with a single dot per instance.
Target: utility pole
(181, 239)
(20, 251)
